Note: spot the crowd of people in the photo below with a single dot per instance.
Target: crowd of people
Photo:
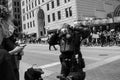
(97, 38)
(103, 38)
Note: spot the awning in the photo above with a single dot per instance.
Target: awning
(32, 35)
(52, 31)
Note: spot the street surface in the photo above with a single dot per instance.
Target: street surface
(49, 60)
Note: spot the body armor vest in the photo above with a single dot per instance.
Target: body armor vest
(67, 43)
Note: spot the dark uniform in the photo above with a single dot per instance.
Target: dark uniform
(9, 45)
(71, 57)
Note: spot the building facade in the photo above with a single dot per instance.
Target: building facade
(15, 8)
(41, 15)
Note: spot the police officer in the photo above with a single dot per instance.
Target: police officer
(71, 58)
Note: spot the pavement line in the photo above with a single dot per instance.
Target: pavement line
(49, 65)
(92, 58)
(100, 63)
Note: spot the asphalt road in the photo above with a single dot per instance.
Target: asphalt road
(49, 60)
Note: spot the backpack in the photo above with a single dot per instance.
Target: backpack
(33, 74)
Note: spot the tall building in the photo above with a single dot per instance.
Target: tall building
(15, 8)
(38, 15)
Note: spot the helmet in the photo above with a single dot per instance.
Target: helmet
(65, 28)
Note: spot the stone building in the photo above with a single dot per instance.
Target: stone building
(41, 15)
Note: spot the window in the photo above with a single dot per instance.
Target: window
(33, 23)
(23, 3)
(48, 6)
(27, 16)
(20, 29)
(68, 0)
(23, 18)
(26, 1)
(52, 4)
(65, 1)
(70, 11)
(58, 2)
(35, 3)
(23, 10)
(14, 9)
(32, 5)
(41, 33)
(66, 12)
(18, 10)
(28, 24)
(53, 16)
(17, 3)
(59, 15)
(38, 1)
(15, 16)
(30, 14)
(33, 13)
(19, 22)
(18, 16)
(26, 8)
(14, 3)
(42, 0)
(29, 7)
(48, 18)
(24, 26)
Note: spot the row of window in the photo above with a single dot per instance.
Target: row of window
(18, 22)
(53, 4)
(36, 2)
(17, 16)
(68, 13)
(17, 10)
(29, 25)
(29, 15)
(66, 1)
(16, 3)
